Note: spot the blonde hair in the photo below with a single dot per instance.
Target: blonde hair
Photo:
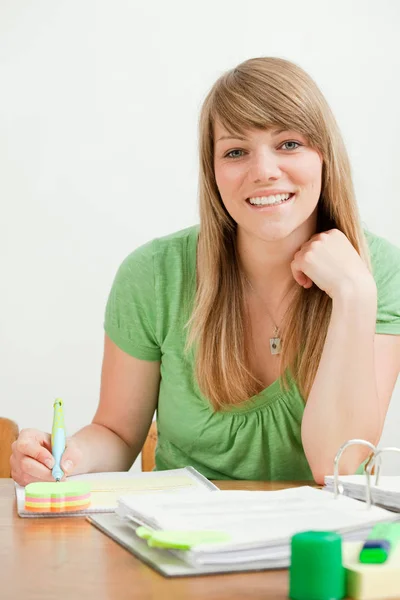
(263, 93)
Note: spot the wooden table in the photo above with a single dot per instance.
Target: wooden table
(69, 559)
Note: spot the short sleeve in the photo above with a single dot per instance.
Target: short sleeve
(131, 311)
(385, 258)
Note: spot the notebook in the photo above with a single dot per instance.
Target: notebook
(107, 487)
(259, 524)
(386, 494)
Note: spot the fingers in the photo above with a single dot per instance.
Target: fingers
(31, 458)
(35, 444)
(300, 277)
(25, 469)
(308, 283)
(71, 458)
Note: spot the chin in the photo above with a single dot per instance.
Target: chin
(274, 234)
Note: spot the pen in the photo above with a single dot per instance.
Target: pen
(58, 439)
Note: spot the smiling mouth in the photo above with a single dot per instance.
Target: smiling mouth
(265, 201)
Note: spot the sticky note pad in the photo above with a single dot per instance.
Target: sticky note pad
(63, 496)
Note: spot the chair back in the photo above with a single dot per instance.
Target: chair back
(8, 435)
(149, 449)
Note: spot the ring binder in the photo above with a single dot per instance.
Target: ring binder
(374, 460)
(368, 473)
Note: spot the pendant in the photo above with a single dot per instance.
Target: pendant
(275, 345)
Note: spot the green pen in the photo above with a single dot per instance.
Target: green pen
(380, 542)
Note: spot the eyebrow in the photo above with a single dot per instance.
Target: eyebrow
(275, 131)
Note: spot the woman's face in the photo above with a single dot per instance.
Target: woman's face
(251, 171)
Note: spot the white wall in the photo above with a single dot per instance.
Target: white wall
(98, 130)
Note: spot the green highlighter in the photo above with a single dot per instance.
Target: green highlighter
(380, 542)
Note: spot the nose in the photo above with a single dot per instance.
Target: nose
(264, 166)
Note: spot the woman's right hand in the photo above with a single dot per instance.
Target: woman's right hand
(31, 459)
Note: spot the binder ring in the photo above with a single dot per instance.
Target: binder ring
(376, 459)
(367, 472)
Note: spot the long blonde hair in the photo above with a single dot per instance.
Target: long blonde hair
(263, 93)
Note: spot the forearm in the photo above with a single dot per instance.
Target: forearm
(102, 450)
(343, 401)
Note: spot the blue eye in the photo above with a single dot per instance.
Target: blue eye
(237, 153)
(289, 142)
(229, 154)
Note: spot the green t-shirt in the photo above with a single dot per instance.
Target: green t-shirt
(260, 439)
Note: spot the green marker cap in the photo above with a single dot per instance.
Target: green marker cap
(316, 569)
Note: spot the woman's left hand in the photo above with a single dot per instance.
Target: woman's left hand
(330, 261)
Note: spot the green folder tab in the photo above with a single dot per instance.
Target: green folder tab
(180, 540)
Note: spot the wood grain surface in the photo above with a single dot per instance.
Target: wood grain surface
(68, 559)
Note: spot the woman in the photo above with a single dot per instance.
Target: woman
(268, 336)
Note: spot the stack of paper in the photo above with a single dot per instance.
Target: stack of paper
(386, 494)
(259, 524)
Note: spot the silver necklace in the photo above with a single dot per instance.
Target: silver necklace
(275, 342)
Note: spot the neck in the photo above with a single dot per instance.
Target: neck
(266, 263)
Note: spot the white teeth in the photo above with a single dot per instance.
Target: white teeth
(268, 200)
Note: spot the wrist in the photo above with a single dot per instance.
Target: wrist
(357, 297)
(362, 289)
